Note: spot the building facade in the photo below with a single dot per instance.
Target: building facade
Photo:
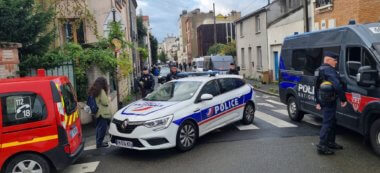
(147, 40)
(189, 23)
(225, 33)
(334, 13)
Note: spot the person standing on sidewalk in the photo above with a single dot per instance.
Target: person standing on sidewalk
(328, 90)
(233, 69)
(99, 91)
(146, 83)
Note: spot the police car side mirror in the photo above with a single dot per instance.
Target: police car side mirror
(366, 76)
(205, 97)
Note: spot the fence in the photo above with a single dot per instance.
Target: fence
(66, 69)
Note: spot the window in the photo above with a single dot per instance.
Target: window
(259, 58)
(308, 60)
(241, 29)
(22, 108)
(358, 57)
(242, 58)
(257, 24)
(174, 91)
(321, 3)
(250, 55)
(68, 98)
(72, 33)
(210, 88)
(228, 84)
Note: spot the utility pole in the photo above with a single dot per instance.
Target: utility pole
(115, 73)
(306, 15)
(214, 24)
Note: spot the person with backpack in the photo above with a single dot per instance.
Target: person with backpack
(99, 104)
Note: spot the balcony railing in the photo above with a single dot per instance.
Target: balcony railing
(323, 3)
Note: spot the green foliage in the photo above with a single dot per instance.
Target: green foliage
(141, 30)
(144, 54)
(223, 49)
(26, 22)
(229, 49)
(153, 48)
(162, 57)
(125, 64)
(215, 49)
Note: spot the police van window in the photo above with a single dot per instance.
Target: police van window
(362, 58)
(68, 98)
(22, 108)
(299, 59)
(211, 88)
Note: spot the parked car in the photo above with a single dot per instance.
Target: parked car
(40, 126)
(359, 67)
(181, 111)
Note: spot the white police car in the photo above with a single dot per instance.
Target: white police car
(180, 111)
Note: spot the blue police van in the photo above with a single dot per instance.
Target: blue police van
(358, 47)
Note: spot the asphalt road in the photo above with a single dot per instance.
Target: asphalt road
(272, 143)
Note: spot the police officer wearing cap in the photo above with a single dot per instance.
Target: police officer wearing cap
(173, 73)
(232, 69)
(146, 82)
(328, 90)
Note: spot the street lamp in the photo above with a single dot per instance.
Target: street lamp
(115, 72)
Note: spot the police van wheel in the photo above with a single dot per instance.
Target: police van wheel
(249, 114)
(293, 111)
(375, 136)
(187, 136)
(28, 163)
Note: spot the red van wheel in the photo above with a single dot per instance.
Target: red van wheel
(375, 136)
(28, 163)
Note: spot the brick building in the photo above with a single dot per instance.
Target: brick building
(333, 13)
(9, 59)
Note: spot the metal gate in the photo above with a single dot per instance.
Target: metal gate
(66, 69)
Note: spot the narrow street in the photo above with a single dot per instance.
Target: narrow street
(272, 143)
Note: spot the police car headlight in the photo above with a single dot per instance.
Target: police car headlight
(159, 123)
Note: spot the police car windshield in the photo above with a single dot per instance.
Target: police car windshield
(174, 91)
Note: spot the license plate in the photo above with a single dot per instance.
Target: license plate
(74, 131)
(125, 144)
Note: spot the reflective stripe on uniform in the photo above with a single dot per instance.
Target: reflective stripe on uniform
(34, 140)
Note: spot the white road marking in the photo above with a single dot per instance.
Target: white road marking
(273, 120)
(82, 168)
(275, 102)
(91, 147)
(246, 127)
(265, 104)
(281, 111)
(311, 120)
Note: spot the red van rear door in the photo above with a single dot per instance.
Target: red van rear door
(71, 116)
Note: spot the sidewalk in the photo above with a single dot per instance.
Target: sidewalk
(271, 88)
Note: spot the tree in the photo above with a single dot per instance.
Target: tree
(215, 49)
(229, 49)
(162, 57)
(141, 30)
(153, 48)
(26, 22)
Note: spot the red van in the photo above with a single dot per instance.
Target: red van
(40, 129)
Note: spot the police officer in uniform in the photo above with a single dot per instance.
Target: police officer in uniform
(173, 73)
(146, 82)
(328, 90)
(232, 69)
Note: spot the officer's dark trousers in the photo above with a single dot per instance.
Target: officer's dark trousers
(327, 134)
(101, 129)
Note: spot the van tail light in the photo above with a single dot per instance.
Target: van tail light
(62, 117)
(67, 149)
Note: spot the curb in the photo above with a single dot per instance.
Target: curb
(266, 92)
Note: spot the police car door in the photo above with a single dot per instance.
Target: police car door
(207, 107)
(232, 94)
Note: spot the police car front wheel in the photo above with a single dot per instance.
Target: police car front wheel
(249, 114)
(294, 113)
(375, 136)
(186, 136)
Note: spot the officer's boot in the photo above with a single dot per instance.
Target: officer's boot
(324, 150)
(335, 146)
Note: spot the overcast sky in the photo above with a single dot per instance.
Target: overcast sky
(164, 14)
